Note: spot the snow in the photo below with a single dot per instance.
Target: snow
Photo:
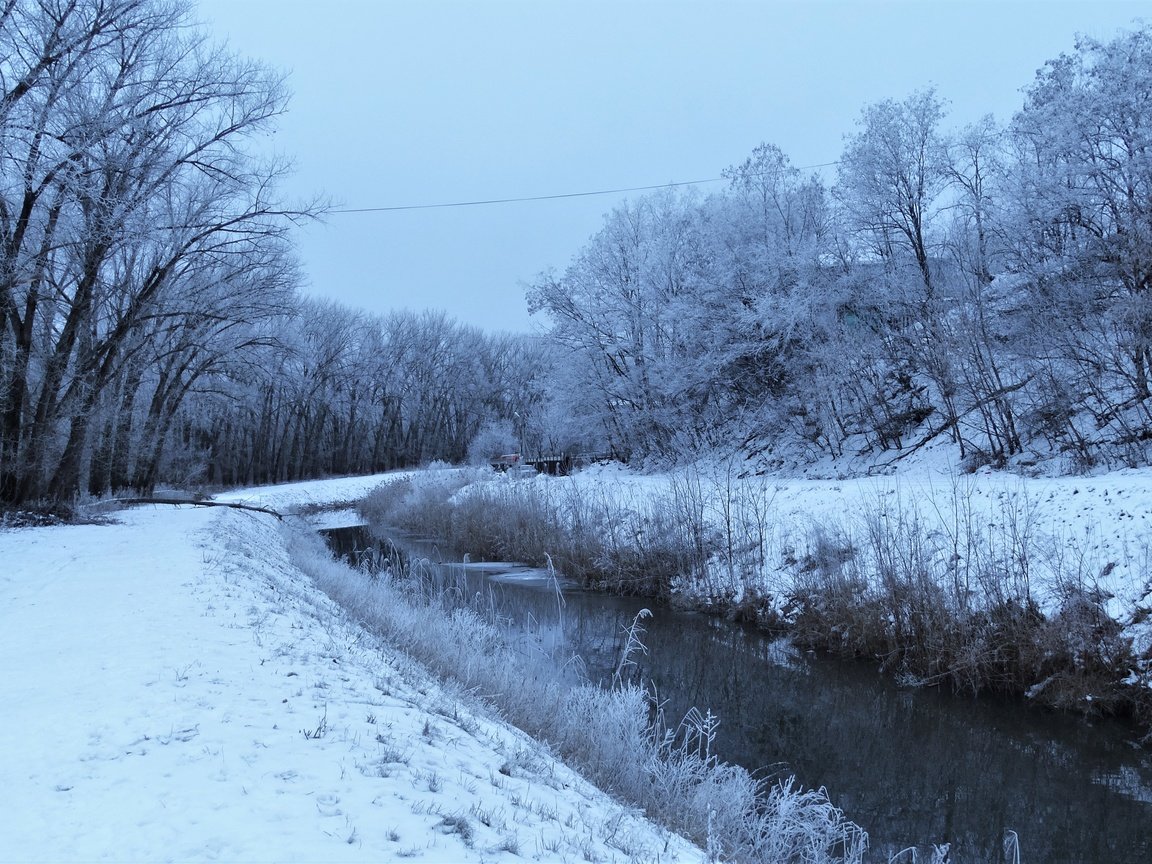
(1098, 526)
(324, 492)
(176, 690)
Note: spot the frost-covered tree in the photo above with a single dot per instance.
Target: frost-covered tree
(128, 194)
(990, 368)
(892, 175)
(890, 178)
(631, 313)
(768, 235)
(1084, 214)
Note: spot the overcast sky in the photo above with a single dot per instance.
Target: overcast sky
(407, 102)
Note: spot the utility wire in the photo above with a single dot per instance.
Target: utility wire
(489, 201)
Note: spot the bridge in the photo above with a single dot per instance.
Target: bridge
(556, 465)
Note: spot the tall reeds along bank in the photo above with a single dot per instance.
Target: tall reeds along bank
(615, 736)
(627, 544)
(947, 589)
(983, 601)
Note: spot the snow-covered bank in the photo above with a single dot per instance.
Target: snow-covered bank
(177, 690)
(1102, 524)
(347, 490)
(1036, 586)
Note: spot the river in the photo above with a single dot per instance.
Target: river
(913, 767)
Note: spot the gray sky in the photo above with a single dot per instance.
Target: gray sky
(401, 102)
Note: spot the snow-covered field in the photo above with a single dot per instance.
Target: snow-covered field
(1099, 526)
(176, 690)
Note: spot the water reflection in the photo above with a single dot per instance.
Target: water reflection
(912, 767)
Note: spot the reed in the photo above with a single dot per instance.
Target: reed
(958, 594)
(616, 736)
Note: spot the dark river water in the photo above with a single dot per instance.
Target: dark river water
(913, 767)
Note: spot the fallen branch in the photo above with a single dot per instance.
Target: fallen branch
(179, 501)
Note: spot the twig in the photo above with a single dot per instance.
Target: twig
(180, 501)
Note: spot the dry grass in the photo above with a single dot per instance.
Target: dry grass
(960, 604)
(635, 547)
(954, 595)
(608, 734)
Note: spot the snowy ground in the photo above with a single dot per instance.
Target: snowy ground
(175, 690)
(1099, 526)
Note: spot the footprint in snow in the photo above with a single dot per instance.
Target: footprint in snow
(182, 735)
(328, 804)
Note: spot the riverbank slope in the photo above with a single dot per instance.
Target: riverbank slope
(1036, 586)
(177, 689)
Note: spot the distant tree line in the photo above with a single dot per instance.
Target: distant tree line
(988, 285)
(150, 327)
(343, 392)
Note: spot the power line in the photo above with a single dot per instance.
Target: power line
(489, 201)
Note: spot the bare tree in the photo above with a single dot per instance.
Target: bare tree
(133, 183)
(891, 175)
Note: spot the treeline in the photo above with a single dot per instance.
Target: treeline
(989, 285)
(347, 393)
(150, 328)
